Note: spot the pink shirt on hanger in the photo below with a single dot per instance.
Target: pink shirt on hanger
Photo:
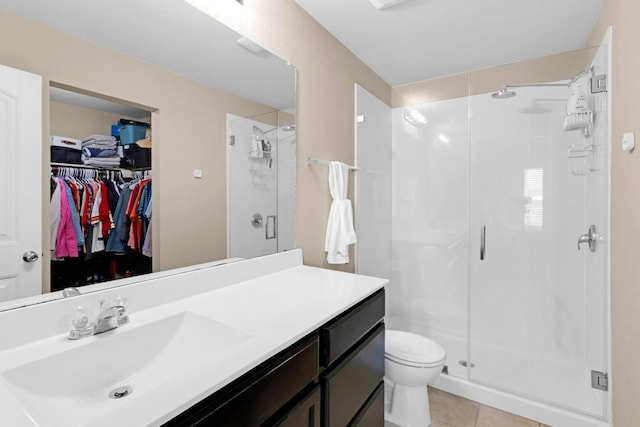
(66, 242)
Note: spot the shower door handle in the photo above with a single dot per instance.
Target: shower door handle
(483, 237)
(271, 229)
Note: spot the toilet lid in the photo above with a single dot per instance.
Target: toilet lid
(412, 348)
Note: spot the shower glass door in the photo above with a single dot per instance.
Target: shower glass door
(260, 184)
(537, 304)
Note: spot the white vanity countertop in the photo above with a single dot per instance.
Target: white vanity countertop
(274, 311)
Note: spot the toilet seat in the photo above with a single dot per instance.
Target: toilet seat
(413, 350)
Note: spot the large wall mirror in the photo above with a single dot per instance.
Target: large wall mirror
(217, 166)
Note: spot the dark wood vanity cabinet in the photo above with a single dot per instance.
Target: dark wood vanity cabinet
(343, 332)
(372, 411)
(305, 414)
(331, 378)
(264, 395)
(352, 348)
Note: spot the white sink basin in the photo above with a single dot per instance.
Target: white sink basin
(72, 387)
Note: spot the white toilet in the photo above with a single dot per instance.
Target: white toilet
(411, 362)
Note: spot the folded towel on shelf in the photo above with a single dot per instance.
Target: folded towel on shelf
(99, 141)
(340, 232)
(89, 152)
(110, 162)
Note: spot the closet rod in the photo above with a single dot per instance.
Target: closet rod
(96, 167)
(78, 166)
(326, 162)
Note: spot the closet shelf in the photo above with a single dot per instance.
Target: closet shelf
(96, 167)
(81, 166)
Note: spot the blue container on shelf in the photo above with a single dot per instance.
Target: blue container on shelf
(129, 134)
(115, 131)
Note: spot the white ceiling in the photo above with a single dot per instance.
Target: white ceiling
(173, 35)
(86, 101)
(424, 39)
(414, 41)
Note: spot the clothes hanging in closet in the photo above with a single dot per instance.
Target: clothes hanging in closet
(80, 216)
(90, 216)
(132, 219)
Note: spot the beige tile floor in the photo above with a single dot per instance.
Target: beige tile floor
(448, 410)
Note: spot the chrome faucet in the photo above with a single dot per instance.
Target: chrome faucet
(108, 318)
(70, 292)
(591, 238)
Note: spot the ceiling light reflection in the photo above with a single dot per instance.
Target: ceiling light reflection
(414, 117)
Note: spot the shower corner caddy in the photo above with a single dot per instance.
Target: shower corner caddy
(580, 121)
(580, 152)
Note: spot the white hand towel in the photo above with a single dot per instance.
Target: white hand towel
(340, 232)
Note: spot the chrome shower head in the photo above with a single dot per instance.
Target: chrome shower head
(285, 128)
(504, 93)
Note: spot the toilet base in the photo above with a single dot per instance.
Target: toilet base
(408, 406)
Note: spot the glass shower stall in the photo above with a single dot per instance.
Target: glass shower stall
(500, 233)
(261, 166)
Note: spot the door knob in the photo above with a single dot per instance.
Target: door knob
(30, 256)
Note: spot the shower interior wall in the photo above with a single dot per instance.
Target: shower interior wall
(260, 183)
(537, 306)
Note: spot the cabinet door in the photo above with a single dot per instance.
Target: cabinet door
(305, 414)
(342, 333)
(257, 396)
(349, 384)
(372, 413)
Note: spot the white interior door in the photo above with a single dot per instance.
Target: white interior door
(20, 183)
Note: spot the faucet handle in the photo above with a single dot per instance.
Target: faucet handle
(81, 326)
(120, 305)
(122, 301)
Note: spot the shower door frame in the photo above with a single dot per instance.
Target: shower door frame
(606, 283)
(246, 236)
(416, 286)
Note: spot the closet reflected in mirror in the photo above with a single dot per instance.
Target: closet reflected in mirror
(171, 196)
(101, 185)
